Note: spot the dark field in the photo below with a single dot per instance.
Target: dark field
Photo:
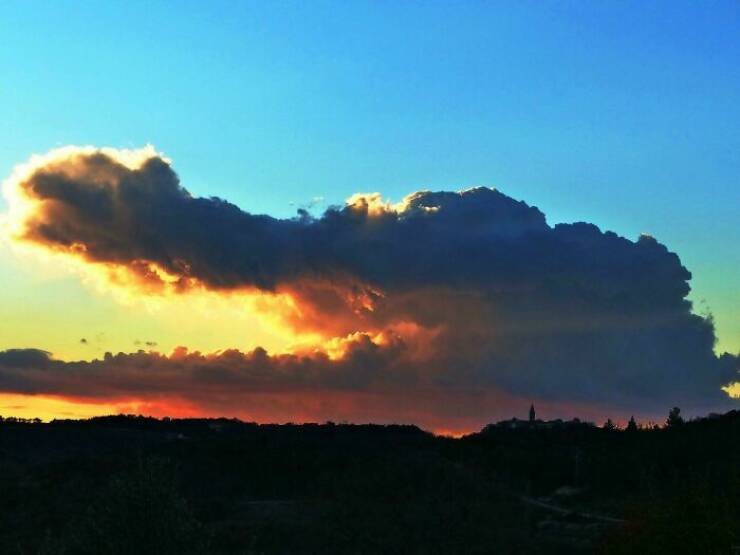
(133, 485)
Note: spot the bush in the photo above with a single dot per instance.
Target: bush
(140, 513)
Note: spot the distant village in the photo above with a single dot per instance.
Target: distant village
(534, 422)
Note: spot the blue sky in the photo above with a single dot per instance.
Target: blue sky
(624, 114)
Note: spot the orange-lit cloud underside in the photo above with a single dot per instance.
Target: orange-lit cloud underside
(446, 309)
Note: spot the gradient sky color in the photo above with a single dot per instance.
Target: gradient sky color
(624, 114)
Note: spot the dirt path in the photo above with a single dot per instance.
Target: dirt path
(566, 511)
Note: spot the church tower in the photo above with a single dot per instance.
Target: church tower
(532, 414)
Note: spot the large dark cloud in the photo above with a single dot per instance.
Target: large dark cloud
(495, 298)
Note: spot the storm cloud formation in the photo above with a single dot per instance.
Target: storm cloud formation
(467, 291)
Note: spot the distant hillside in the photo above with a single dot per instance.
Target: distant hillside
(131, 484)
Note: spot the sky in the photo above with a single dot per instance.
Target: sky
(620, 114)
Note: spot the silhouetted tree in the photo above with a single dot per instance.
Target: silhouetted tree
(674, 418)
(631, 425)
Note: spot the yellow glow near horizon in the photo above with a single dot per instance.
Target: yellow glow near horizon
(50, 308)
(49, 408)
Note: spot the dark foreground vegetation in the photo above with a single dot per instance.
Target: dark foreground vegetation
(134, 485)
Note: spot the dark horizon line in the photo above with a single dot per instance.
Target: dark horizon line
(525, 424)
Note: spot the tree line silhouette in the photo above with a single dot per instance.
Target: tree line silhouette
(130, 484)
